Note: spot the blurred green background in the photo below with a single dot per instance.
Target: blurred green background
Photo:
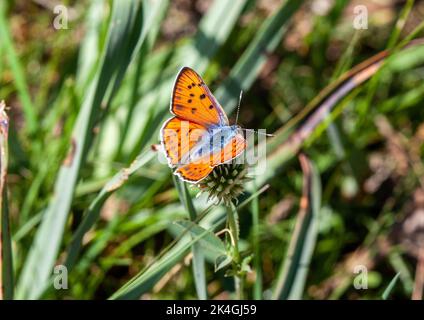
(88, 85)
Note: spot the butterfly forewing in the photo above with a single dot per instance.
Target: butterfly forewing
(193, 101)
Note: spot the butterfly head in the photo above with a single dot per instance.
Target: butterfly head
(235, 128)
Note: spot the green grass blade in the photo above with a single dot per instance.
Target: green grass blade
(390, 287)
(6, 260)
(29, 225)
(90, 46)
(158, 15)
(146, 279)
(18, 72)
(213, 32)
(93, 211)
(294, 269)
(400, 24)
(399, 264)
(394, 38)
(247, 68)
(198, 257)
(287, 142)
(209, 240)
(125, 30)
(257, 287)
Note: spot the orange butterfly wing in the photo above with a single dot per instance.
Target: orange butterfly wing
(193, 101)
(230, 151)
(196, 171)
(179, 137)
(193, 104)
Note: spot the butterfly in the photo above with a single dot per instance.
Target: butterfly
(198, 137)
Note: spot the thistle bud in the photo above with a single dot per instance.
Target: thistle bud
(225, 183)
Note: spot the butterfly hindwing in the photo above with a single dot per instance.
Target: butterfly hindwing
(196, 171)
(174, 144)
(193, 101)
(230, 151)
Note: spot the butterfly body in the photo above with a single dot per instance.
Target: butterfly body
(220, 136)
(213, 141)
(199, 136)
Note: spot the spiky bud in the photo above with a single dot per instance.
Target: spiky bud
(225, 183)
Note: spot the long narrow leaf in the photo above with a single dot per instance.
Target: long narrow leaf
(247, 68)
(209, 240)
(125, 30)
(257, 287)
(6, 261)
(294, 269)
(287, 142)
(92, 214)
(198, 257)
(18, 72)
(146, 279)
(390, 287)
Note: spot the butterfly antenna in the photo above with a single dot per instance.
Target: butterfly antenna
(237, 115)
(238, 106)
(265, 134)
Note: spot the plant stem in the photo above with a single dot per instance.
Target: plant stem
(257, 287)
(238, 277)
(239, 285)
